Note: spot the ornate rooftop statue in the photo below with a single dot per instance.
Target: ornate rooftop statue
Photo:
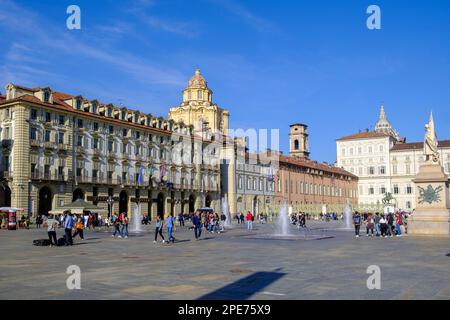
(431, 143)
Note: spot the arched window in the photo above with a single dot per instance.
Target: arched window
(296, 146)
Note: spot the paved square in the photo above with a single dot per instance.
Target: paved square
(227, 266)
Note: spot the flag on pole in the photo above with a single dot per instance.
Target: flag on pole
(150, 170)
(163, 171)
(140, 177)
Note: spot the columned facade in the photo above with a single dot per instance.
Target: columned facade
(56, 148)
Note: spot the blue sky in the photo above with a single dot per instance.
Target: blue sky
(270, 63)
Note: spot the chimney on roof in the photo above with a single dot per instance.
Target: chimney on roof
(367, 129)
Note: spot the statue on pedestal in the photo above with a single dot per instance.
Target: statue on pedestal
(431, 143)
(432, 212)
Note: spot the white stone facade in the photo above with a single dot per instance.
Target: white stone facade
(384, 163)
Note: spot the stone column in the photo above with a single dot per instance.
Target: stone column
(21, 158)
(432, 214)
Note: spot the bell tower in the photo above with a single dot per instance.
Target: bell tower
(298, 141)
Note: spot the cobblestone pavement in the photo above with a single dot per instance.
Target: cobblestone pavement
(225, 266)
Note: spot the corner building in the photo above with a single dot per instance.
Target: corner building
(57, 147)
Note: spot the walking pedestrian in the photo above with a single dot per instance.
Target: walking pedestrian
(79, 226)
(159, 228)
(170, 227)
(357, 223)
(116, 223)
(124, 220)
(197, 225)
(38, 221)
(52, 224)
(241, 217)
(249, 221)
(223, 218)
(181, 219)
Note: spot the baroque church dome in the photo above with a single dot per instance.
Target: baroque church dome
(197, 81)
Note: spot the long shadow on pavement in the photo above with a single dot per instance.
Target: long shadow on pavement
(244, 288)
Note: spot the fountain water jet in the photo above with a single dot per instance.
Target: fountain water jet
(226, 211)
(136, 218)
(282, 221)
(347, 215)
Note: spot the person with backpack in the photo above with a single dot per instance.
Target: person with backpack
(357, 223)
(170, 227)
(241, 217)
(158, 230)
(116, 222)
(370, 224)
(79, 226)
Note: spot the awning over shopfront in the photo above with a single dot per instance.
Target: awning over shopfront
(78, 207)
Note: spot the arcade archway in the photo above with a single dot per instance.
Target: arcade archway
(77, 194)
(45, 200)
(160, 205)
(208, 201)
(5, 196)
(191, 203)
(123, 202)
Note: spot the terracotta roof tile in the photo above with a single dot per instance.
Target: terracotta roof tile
(315, 165)
(26, 88)
(364, 135)
(59, 104)
(418, 145)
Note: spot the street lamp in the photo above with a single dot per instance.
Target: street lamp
(110, 202)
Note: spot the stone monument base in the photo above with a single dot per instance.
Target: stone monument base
(432, 214)
(433, 223)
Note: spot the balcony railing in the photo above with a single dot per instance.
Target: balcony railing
(34, 143)
(63, 146)
(6, 175)
(83, 179)
(97, 153)
(49, 145)
(7, 143)
(81, 149)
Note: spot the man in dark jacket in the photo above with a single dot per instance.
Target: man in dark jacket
(390, 222)
(357, 223)
(197, 225)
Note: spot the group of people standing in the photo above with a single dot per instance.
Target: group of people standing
(73, 225)
(381, 225)
(249, 218)
(120, 223)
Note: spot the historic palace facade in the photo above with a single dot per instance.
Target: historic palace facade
(385, 163)
(309, 186)
(57, 147)
(247, 180)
